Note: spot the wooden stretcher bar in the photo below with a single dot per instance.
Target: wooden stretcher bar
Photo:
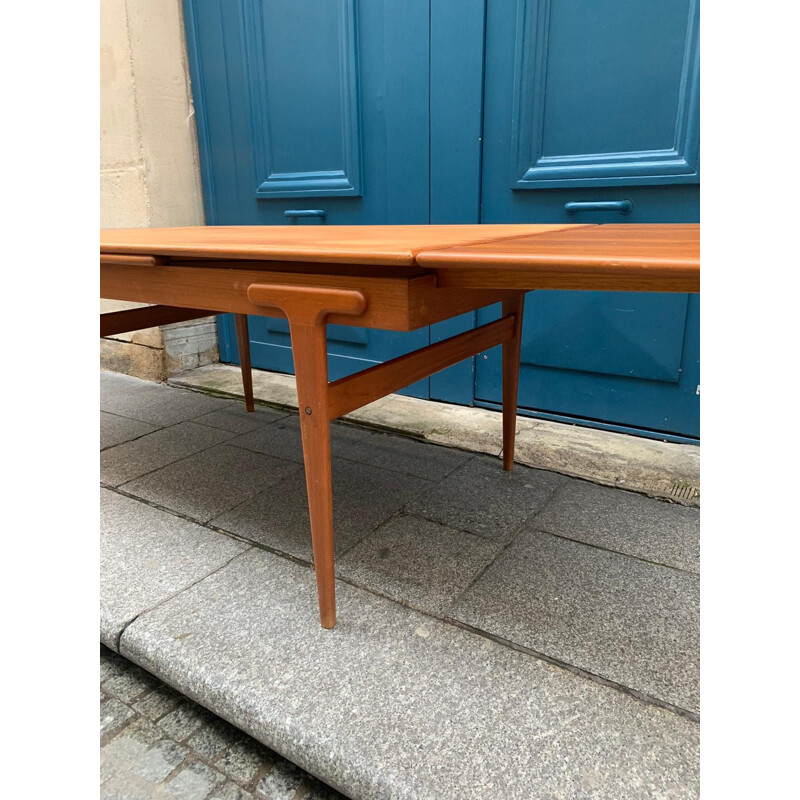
(136, 319)
(354, 391)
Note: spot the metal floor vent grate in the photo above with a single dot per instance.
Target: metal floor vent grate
(685, 490)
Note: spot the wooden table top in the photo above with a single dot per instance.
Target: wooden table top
(351, 244)
(633, 257)
(606, 256)
(670, 247)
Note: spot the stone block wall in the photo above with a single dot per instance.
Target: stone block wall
(149, 167)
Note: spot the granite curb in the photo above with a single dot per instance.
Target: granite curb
(403, 706)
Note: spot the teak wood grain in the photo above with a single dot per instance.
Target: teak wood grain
(399, 304)
(357, 390)
(307, 308)
(308, 305)
(652, 258)
(590, 257)
(137, 319)
(350, 244)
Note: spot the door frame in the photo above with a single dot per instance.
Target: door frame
(458, 39)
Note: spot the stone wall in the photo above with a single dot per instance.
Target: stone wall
(149, 168)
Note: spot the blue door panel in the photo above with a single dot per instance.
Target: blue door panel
(577, 392)
(616, 403)
(349, 349)
(601, 93)
(383, 118)
(304, 105)
(665, 204)
(628, 105)
(610, 333)
(457, 383)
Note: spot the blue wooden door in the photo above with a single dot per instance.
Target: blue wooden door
(320, 107)
(590, 101)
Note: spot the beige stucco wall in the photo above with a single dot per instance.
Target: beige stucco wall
(149, 169)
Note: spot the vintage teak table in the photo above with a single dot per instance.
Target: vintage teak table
(396, 278)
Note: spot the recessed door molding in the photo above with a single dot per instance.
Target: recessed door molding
(533, 168)
(291, 92)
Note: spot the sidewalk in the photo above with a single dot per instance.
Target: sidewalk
(500, 635)
(655, 468)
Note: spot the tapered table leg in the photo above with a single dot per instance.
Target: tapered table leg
(243, 338)
(307, 308)
(311, 371)
(511, 358)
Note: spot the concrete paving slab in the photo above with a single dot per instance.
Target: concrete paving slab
(476, 429)
(363, 498)
(283, 440)
(211, 482)
(657, 468)
(394, 704)
(153, 402)
(268, 387)
(146, 556)
(423, 564)
(116, 430)
(481, 498)
(238, 419)
(129, 460)
(623, 619)
(625, 522)
(402, 454)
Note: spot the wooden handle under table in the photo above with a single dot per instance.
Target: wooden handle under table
(307, 305)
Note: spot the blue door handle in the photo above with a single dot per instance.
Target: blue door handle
(623, 206)
(305, 212)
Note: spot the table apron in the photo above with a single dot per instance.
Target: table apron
(398, 304)
(621, 280)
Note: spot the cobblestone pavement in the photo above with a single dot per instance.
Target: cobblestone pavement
(155, 743)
